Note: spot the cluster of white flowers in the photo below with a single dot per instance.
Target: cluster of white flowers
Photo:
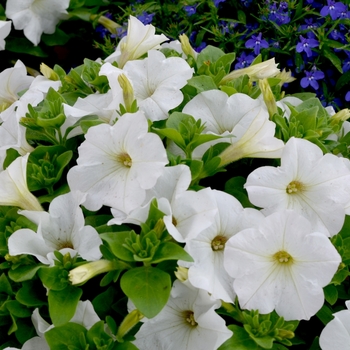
(277, 258)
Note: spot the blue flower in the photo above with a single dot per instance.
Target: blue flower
(244, 61)
(145, 18)
(217, 2)
(256, 42)
(306, 45)
(337, 35)
(311, 79)
(346, 63)
(309, 24)
(347, 96)
(334, 9)
(190, 9)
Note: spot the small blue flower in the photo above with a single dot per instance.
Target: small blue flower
(306, 45)
(311, 79)
(190, 9)
(334, 9)
(309, 24)
(346, 63)
(256, 42)
(145, 18)
(347, 96)
(217, 2)
(244, 61)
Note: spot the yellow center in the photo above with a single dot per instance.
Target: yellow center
(294, 187)
(218, 243)
(189, 317)
(125, 159)
(174, 222)
(283, 257)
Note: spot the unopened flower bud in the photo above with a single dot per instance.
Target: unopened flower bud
(266, 69)
(268, 96)
(110, 25)
(128, 92)
(186, 46)
(181, 273)
(286, 77)
(83, 273)
(48, 72)
(131, 320)
(340, 116)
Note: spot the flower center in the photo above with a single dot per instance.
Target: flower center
(189, 317)
(66, 244)
(174, 222)
(218, 243)
(283, 257)
(294, 187)
(124, 159)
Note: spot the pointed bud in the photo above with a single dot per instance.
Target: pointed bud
(340, 116)
(266, 69)
(128, 92)
(83, 273)
(110, 25)
(48, 72)
(186, 46)
(181, 273)
(286, 77)
(130, 321)
(268, 97)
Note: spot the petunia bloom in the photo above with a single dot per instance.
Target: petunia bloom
(36, 17)
(282, 264)
(139, 40)
(315, 185)
(188, 321)
(118, 163)
(13, 186)
(336, 334)
(62, 229)
(5, 28)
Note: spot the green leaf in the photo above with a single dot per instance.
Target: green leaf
(5, 286)
(59, 37)
(54, 277)
(336, 61)
(23, 45)
(24, 273)
(148, 288)
(63, 303)
(239, 341)
(16, 309)
(65, 337)
(202, 83)
(209, 54)
(325, 314)
(170, 251)
(28, 294)
(331, 293)
(115, 242)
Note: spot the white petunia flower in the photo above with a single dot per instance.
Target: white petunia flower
(208, 247)
(139, 40)
(244, 120)
(336, 334)
(315, 185)
(157, 81)
(62, 229)
(5, 28)
(12, 81)
(36, 17)
(118, 163)
(13, 186)
(282, 264)
(187, 322)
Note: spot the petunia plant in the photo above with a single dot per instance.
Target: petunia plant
(159, 198)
